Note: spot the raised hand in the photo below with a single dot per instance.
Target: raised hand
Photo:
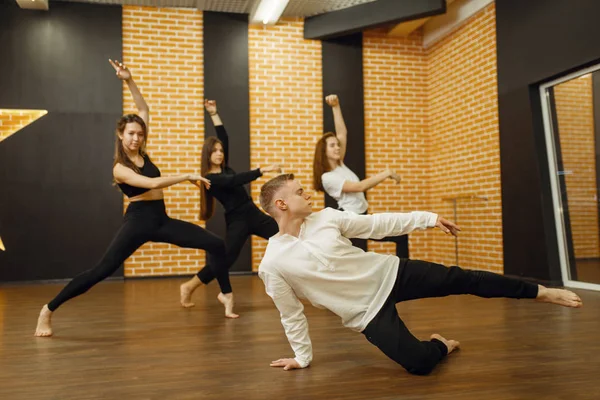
(286, 363)
(395, 177)
(122, 72)
(332, 100)
(447, 226)
(211, 106)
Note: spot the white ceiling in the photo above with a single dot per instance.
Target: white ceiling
(295, 8)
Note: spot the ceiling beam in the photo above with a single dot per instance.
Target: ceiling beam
(369, 15)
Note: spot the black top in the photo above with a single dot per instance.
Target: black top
(228, 186)
(149, 169)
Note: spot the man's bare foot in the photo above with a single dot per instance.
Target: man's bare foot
(227, 301)
(43, 328)
(561, 297)
(450, 344)
(186, 290)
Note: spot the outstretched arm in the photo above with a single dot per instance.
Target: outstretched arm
(293, 320)
(368, 183)
(378, 226)
(125, 75)
(123, 174)
(335, 185)
(242, 178)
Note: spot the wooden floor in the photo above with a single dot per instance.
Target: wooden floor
(131, 341)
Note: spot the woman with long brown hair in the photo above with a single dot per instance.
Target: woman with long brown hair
(332, 176)
(242, 217)
(146, 218)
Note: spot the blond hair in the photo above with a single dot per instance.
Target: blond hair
(268, 190)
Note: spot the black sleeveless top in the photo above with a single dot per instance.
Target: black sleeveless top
(149, 169)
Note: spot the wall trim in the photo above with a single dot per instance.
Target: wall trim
(457, 14)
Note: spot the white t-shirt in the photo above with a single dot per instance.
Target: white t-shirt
(333, 181)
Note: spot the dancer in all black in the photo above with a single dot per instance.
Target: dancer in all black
(242, 216)
(146, 219)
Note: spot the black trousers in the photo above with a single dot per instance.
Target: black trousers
(241, 223)
(146, 221)
(418, 280)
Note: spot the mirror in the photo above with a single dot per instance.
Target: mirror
(571, 107)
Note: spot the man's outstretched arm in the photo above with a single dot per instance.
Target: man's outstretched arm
(378, 226)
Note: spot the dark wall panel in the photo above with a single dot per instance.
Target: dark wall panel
(226, 80)
(58, 208)
(536, 41)
(343, 75)
(57, 59)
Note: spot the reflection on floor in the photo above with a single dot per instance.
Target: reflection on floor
(588, 270)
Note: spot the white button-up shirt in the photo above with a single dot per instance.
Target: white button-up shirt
(322, 266)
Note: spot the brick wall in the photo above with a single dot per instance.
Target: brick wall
(463, 151)
(396, 136)
(431, 114)
(286, 105)
(13, 120)
(285, 114)
(163, 48)
(575, 114)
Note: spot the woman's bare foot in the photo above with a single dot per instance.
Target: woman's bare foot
(186, 290)
(43, 328)
(227, 301)
(450, 344)
(561, 297)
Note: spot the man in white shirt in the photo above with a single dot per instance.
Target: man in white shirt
(312, 257)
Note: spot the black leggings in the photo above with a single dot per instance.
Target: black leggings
(245, 221)
(146, 221)
(418, 280)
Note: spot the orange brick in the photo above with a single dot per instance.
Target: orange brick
(431, 114)
(174, 92)
(285, 105)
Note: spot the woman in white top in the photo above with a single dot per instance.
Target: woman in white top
(332, 176)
